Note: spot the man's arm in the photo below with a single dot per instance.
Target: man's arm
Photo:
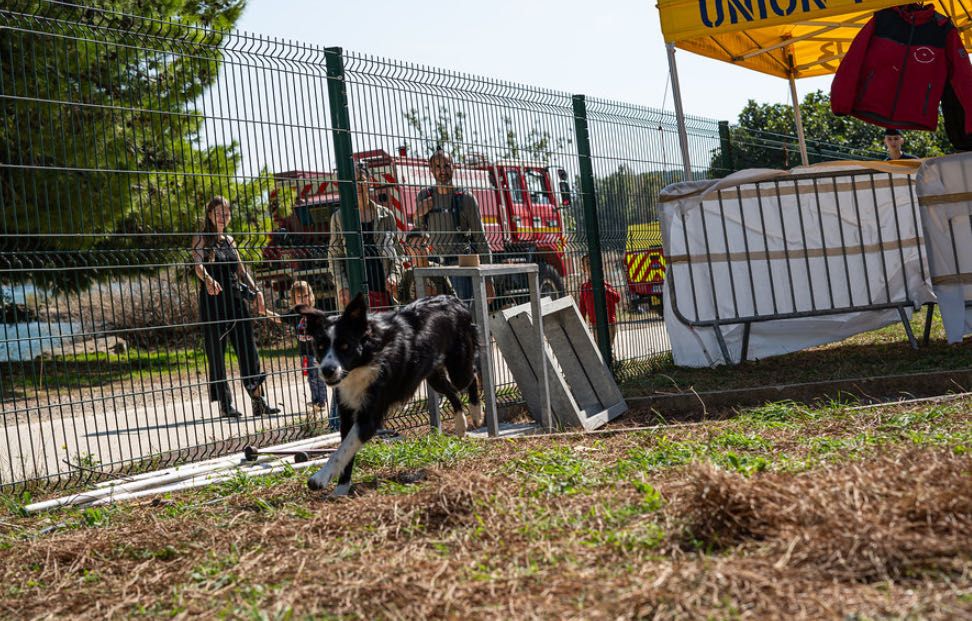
(445, 286)
(336, 252)
(585, 294)
(405, 287)
(471, 220)
(611, 293)
(391, 247)
(199, 257)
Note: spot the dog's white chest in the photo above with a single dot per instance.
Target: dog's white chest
(353, 390)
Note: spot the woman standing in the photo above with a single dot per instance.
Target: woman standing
(379, 238)
(224, 296)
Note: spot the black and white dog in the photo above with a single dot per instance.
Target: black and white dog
(377, 361)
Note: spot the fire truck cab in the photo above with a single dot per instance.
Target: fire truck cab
(520, 204)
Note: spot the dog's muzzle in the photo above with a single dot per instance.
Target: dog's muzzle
(332, 374)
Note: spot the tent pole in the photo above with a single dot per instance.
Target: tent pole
(799, 121)
(679, 113)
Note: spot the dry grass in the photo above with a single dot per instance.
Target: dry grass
(781, 513)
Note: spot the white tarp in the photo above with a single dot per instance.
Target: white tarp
(945, 194)
(789, 245)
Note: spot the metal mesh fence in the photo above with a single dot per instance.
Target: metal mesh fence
(117, 132)
(632, 155)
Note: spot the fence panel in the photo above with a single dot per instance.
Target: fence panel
(635, 155)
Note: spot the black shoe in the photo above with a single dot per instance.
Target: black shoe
(226, 410)
(260, 407)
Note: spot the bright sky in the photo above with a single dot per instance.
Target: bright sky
(603, 48)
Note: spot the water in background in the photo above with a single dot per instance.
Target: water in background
(27, 340)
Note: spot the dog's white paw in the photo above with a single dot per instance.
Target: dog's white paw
(341, 490)
(460, 422)
(323, 476)
(476, 413)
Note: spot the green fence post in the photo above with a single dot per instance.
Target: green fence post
(337, 95)
(725, 147)
(591, 226)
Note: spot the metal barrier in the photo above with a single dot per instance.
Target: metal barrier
(793, 246)
(946, 215)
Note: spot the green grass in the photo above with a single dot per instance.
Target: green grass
(92, 369)
(554, 472)
(430, 450)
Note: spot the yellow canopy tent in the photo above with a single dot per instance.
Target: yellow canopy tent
(786, 38)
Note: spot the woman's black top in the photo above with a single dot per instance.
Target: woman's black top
(222, 262)
(374, 267)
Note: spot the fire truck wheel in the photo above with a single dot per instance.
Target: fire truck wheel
(551, 283)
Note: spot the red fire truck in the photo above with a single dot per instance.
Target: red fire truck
(521, 204)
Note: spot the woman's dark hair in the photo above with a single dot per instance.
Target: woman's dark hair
(362, 168)
(208, 229)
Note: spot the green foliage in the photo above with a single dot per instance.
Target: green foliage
(627, 197)
(103, 133)
(742, 463)
(216, 571)
(85, 460)
(736, 440)
(765, 137)
(556, 471)
(14, 505)
(447, 129)
(920, 419)
(623, 527)
(775, 414)
(93, 517)
(432, 449)
(663, 453)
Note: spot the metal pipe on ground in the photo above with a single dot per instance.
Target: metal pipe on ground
(294, 444)
(168, 477)
(209, 479)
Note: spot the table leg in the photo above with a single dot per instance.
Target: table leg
(432, 397)
(543, 384)
(485, 356)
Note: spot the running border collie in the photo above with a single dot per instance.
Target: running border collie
(375, 362)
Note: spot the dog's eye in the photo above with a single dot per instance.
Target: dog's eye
(344, 347)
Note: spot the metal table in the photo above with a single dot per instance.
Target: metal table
(479, 274)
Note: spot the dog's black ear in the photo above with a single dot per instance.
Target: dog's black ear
(357, 310)
(315, 316)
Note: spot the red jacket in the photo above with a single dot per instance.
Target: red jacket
(895, 71)
(587, 302)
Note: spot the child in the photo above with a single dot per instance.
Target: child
(587, 301)
(302, 293)
(417, 248)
